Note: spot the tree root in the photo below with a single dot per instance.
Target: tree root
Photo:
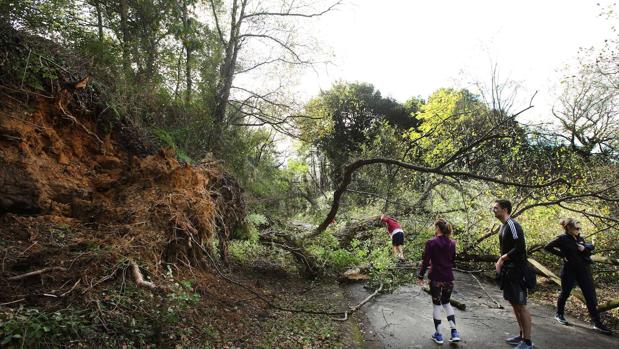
(139, 279)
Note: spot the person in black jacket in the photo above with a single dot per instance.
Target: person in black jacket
(576, 254)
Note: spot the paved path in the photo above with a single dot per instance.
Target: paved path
(403, 319)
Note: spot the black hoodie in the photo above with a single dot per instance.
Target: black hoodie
(566, 247)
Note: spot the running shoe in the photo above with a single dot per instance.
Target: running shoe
(599, 326)
(455, 336)
(524, 345)
(514, 340)
(561, 319)
(437, 337)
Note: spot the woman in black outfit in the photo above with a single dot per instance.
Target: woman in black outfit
(576, 254)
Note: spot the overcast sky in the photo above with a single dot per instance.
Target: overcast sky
(410, 47)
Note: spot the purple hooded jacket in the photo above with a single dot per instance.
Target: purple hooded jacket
(439, 255)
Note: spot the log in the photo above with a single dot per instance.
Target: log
(354, 229)
(611, 304)
(542, 270)
(605, 260)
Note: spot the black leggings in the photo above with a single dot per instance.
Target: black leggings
(582, 276)
(441, 292)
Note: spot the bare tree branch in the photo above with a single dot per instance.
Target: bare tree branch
(292, 14)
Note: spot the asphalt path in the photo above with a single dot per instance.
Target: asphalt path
(403, 319)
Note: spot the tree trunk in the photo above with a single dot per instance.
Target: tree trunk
(187, 45)
(124, 30)
(179, 69)
(99, 19)
(188, 74)
(357, 229)
(226, 73)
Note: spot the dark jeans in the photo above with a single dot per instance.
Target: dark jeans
(582, 276)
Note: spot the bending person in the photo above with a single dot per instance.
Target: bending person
(397, 236)
(439, 255)
(576, 254)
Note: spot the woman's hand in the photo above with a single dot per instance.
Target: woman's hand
(420, 282)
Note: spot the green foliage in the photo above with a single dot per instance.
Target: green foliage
(168, 140)
(346, 117)
(34, 328)
(249, 228)
(245, 251)
(448, 120)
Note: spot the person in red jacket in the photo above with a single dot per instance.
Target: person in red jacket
(397, 236)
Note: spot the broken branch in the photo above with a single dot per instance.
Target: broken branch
(36, 272)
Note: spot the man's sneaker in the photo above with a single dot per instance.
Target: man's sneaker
(437, 337)
(455, 336)
(514, 340)
(561, 319)
(523, 345)
(599, 326)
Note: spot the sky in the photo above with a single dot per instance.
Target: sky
(411, 48)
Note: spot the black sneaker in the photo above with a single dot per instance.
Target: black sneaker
(561, 319)
(599, 326)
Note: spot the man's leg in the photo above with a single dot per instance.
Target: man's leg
(525, 318)
(522, 313)
(517, 314)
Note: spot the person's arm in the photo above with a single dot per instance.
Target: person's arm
(453, 253)
(425, 262)
(554, 247)
(588, 248)
(516, 234)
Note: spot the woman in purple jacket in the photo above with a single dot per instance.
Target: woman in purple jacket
(439, 255)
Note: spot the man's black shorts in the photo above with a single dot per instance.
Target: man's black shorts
(512, 283)
(397, 239)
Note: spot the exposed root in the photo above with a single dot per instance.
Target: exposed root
(139, 279)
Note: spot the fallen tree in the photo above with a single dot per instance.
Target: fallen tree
(308, 266)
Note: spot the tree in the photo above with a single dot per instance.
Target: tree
(588, 113)
(267, 30)
(347, 117)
